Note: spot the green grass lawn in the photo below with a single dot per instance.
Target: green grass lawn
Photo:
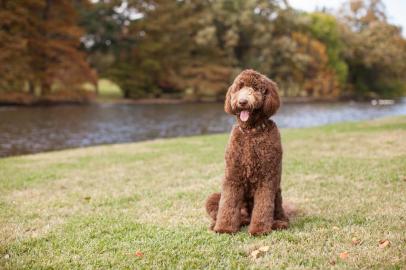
(141, 205)
(109, 90)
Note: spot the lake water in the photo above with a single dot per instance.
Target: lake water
(36, 129)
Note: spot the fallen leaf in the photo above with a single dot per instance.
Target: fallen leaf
(355, 241)
(139, 253)
(344, 255)
(264, 248)
(335, 228)
(384, 243)
(255, 254)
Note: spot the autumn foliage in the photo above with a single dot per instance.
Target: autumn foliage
(192, 49)
(39, 47)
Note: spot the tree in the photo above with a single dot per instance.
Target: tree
(15, 27)
(193, 48)
(40, 40)
(326, 29)
(54, 48)
(105, 26)
(376, 50)
(172, 48)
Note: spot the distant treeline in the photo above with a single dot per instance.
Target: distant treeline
(193, 48)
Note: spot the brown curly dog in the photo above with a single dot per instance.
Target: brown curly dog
(251, 193)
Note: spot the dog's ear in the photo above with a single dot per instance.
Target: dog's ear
(272, 101)
(227, 103)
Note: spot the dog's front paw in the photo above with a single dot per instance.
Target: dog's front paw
(280, 225)
(225, 229)
(259, 230)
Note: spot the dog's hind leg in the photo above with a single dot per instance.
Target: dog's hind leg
(212, 207)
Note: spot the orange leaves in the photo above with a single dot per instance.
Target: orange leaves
(344, 255)
(257, 253)
(44, 49)
(384, 243)
(264, 249)
(355, 241)
(311, 46)
(139, 254)
(317, 79)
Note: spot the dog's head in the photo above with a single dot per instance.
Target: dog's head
(252, 96)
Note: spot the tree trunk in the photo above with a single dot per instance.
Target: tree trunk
(126, 93)
(47, 7)
(45, 88)
(31, 88)
(3, 4)
(45, 85)
(96, 88)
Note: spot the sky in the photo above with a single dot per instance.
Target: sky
(395, 9)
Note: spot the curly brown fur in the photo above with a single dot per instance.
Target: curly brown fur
(251, 192)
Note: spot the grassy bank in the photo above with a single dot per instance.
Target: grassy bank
(140, 205)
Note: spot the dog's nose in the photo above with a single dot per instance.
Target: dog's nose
(243, 101)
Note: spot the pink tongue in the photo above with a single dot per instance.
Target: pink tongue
(244, 115)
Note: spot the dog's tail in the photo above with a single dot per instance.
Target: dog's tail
(212, 207)
(212, 204)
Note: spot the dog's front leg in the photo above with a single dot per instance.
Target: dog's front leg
(262, 213)
(281, 221)
(229, 214)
